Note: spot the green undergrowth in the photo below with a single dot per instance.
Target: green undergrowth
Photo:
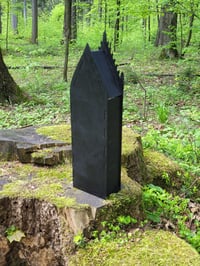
(172, 213)
(160, 209)
(151, 247)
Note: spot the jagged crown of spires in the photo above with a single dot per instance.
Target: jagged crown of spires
(105, 47)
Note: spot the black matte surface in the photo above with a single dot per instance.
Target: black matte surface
(96, 118)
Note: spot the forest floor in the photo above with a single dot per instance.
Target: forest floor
(161, 103)
(161, 97)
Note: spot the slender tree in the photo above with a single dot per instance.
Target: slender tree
(25, 12)
(7, 22)
(73, 35)
(190, 30)
(67, 30)
(14, 18)
(117, 25)
(34, 38)
(0, 19)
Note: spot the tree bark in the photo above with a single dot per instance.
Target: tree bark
(14, 17)
(67, 30)
(25, 12)
(7, 23)
(0, 19)
(190, 30)
(34, 22)
(166, 34)
(117, 25)
(73, 34)
(9, 90)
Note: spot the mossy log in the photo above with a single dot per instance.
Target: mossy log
(162, 171)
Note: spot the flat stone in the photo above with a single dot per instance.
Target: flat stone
(18, 144)
(26, 135)
(83, 197)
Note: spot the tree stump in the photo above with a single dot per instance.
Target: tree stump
(9, 90)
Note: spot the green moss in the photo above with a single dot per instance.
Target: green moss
(150, 249)
(51, 192)
(58, 132)
(37, 182)
(129, 186)
(60, 172)
(13, 170)
(128, 201)
(162, 170)
(42, 153)
(63, 133)
(129, 141)
(17, 170)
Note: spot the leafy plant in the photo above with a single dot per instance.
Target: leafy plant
(117, 228)
(163, 113)
(126, 220)
(160, 206)
(79, 240)
(14, 234)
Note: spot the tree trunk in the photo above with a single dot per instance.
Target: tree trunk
(190, 30)
(67, 30)
(14, 22)
(25, 12)
(106, 15)
(149, 28)
(34, 22)
(73, 34)
(117, 26)
(9, 90)
(166, 34)
(7, 23)
(0, 19)
(14, 17)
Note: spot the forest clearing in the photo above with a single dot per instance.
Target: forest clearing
(161, 103)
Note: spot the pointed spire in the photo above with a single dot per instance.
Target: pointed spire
(104, 44)
(106, 48)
